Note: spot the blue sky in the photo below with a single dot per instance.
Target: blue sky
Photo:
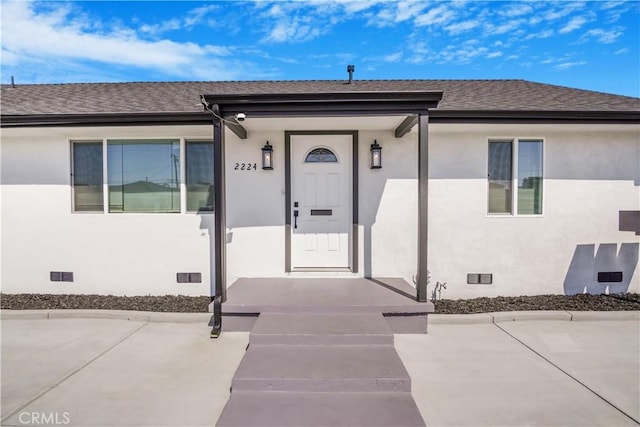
(591, 45)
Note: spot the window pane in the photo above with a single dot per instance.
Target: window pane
(87, 176)
(529, 177)
(500, 177)
(321, 155)
(199, 176)
(144, 176)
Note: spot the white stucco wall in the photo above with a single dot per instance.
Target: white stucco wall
(255, 207)
(591, 172)
(387, 241)
(120, 254)
(389, 206)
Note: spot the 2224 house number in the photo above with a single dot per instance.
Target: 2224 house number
(245, 167)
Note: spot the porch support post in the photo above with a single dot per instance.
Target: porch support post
(423, 193)
(219, 223)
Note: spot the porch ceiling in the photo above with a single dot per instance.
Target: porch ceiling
(322, 105)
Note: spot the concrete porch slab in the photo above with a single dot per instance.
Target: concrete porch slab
(331, 368)
(326, 295)
(280, 409)
(321, 329)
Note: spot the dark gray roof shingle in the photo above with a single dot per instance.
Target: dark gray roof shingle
(183, 97)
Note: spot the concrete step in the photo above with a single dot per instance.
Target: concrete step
(280, 409)
(321, 329)
(331, 368)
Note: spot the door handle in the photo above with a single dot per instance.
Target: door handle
(295, 219)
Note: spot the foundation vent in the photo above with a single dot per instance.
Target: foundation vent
(61, 276)
(609, 276)
(479, 278)
(189, 277)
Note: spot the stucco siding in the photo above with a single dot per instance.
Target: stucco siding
(590, 173)
(120, 254)
(255, 207)
(389, 206)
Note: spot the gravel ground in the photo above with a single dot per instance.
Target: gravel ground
(184, 304)
(541, 302)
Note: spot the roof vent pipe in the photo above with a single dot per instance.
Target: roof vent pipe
(350, 70)
(13, 83)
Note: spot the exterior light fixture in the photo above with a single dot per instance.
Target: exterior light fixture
(267, 157)
(376, 155)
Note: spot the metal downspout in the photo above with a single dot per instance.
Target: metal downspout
(220, 231)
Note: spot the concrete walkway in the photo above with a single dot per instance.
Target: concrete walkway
(557, 368)
(524, 373)
(101, 372)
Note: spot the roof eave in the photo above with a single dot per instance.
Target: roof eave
(104, 119)
(533, 116)
(266, 110)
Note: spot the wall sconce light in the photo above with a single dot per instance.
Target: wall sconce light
(376, 155)
(267, 157)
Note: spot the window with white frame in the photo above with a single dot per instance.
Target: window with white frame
(515, 176)
(143, 176)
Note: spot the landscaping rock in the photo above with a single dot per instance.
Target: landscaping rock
(187, 304)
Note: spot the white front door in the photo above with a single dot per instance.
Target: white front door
(321, 201)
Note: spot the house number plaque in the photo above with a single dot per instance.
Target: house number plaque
(245, 167)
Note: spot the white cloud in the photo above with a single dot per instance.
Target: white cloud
(197, 15)
(297, 22)
(610, 4)
(356, 6)
(384, 18)
(53, 35)
(603, 36)
(622, 51)
(574, 24)
(566, 9)
(534, 20)
(416, 59)
(545, 34)
(170, 25)
(615, 10)
(392, 13)
(293, 30)
(393, 57)
(456, 32)
(506, 27)
(517, 10)
(567, 65)
(460, 53)
(192, 18)
(408, 10)
(461, 27)
(437, 15)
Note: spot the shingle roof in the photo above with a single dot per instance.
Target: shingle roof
(183, 97)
